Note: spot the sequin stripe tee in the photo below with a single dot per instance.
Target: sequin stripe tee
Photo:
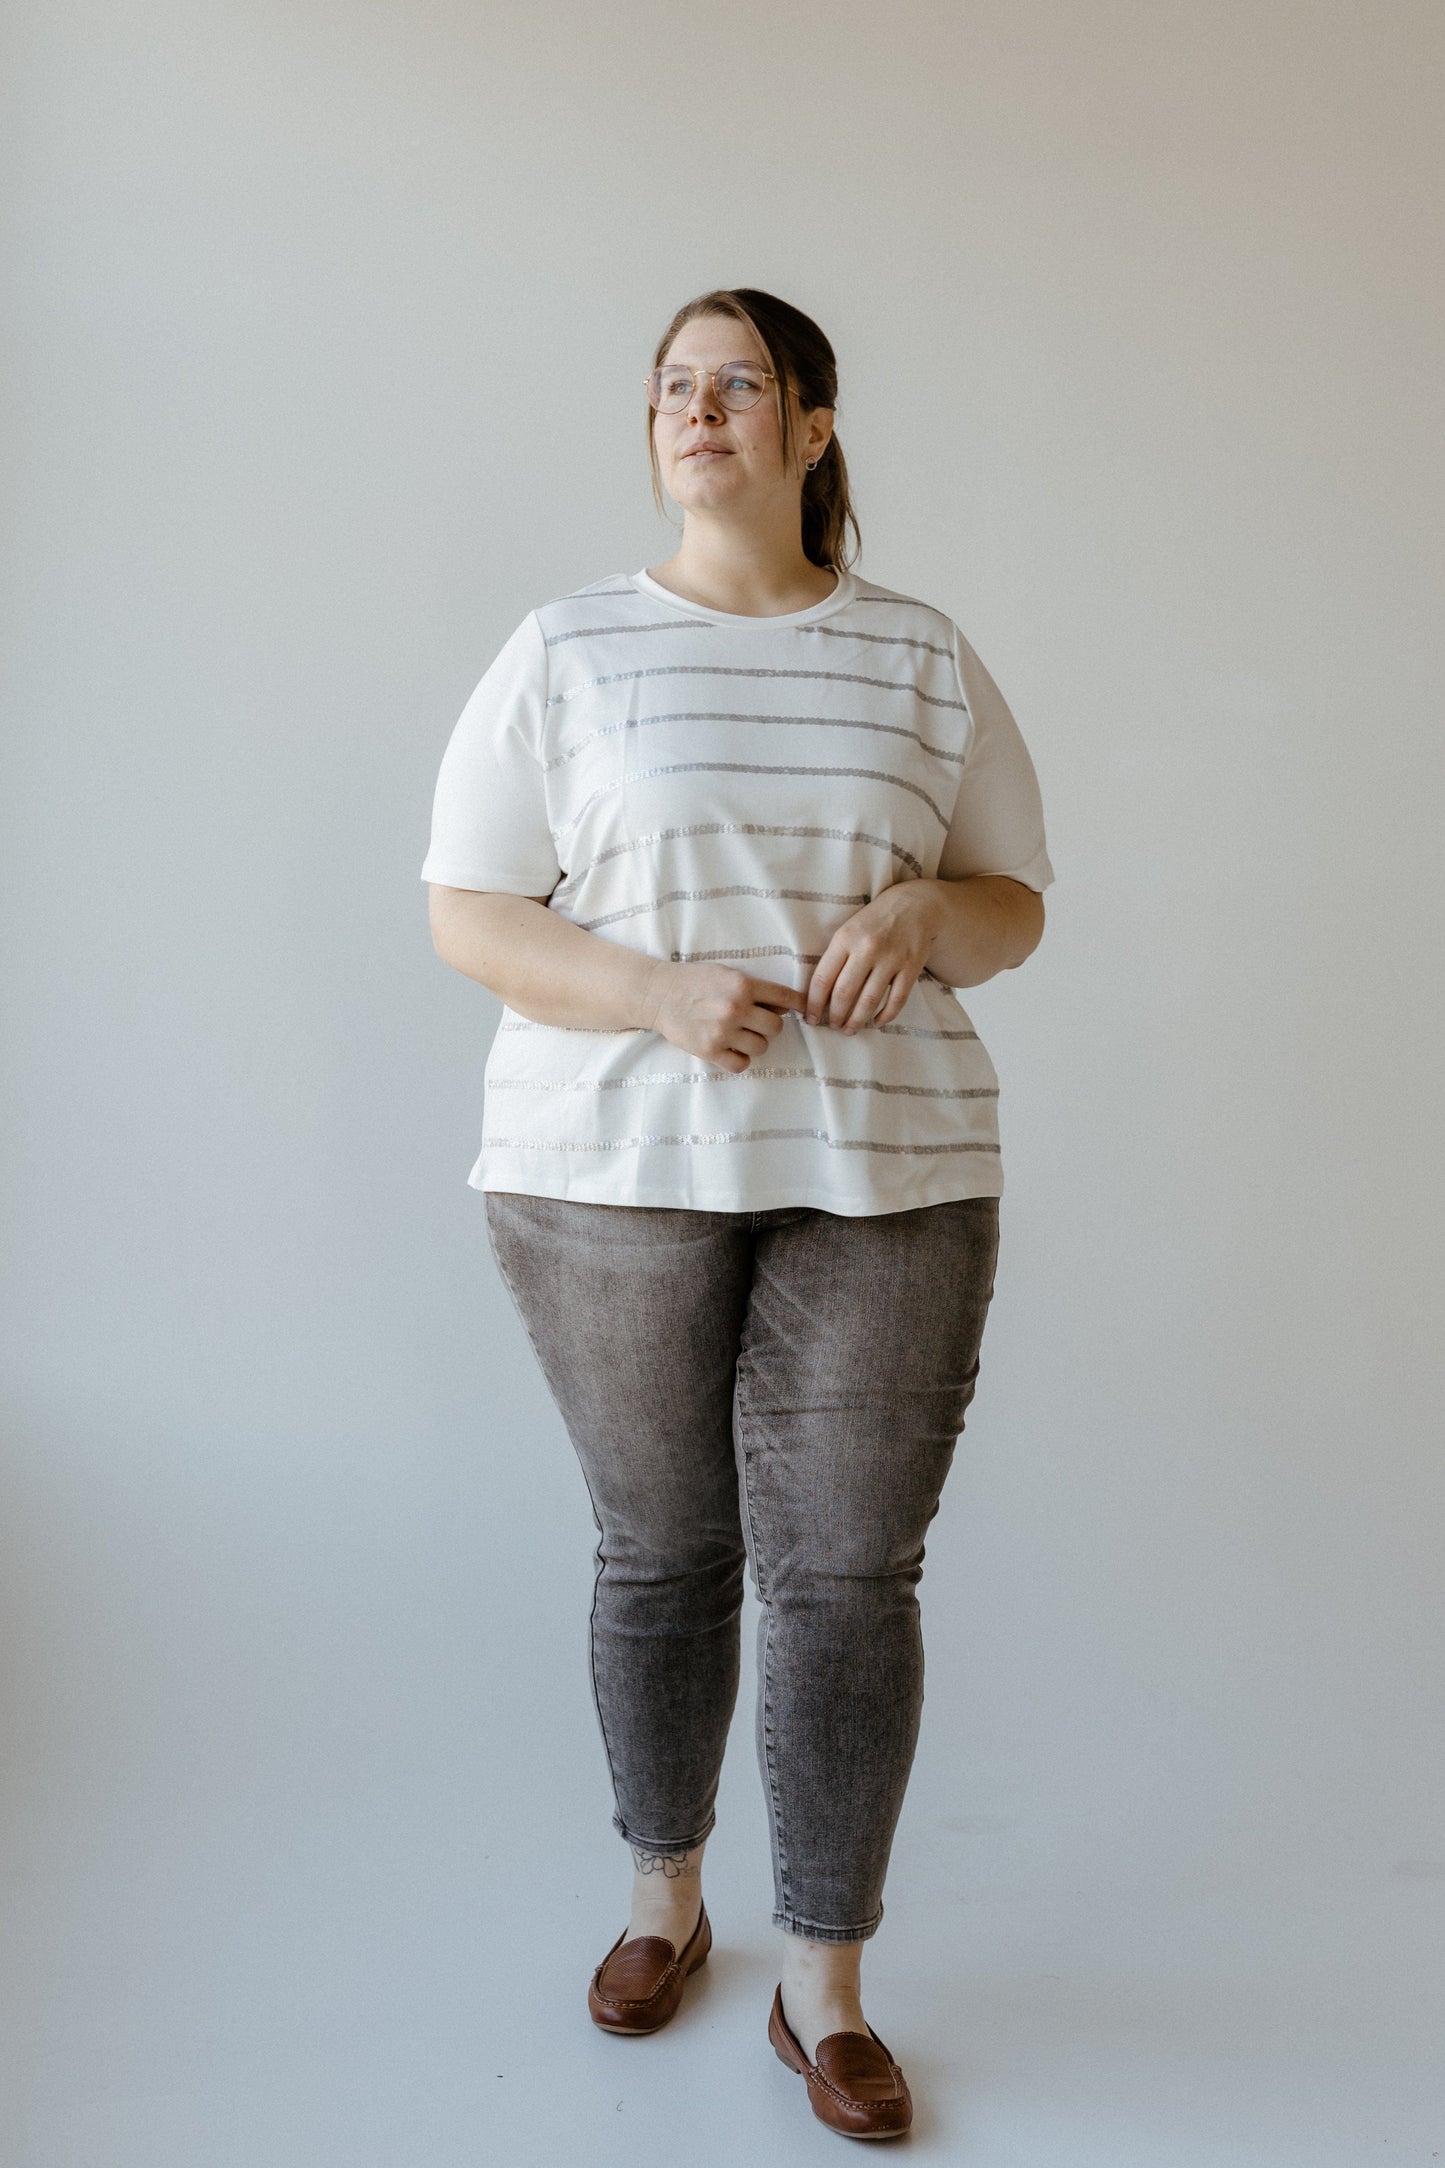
(701, 785)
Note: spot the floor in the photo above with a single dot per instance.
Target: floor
(253, 1979)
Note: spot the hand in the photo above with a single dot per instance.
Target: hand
(874, 960)
(716, 1010)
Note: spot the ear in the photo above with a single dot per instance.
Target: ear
(817, 432)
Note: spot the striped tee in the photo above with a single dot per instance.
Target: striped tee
(703, 785)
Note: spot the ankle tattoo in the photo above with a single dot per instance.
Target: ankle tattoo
(670, 1865)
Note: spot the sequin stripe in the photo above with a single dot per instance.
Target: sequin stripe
(733, 828)
(824, 722)
(733, 1136)
(706, 895)
(919, 1031)
(907, 602)
(742, 767)
(727, 955)
(741, 1076)
(596, 632)
(693, 669)
(601, 1031)
(696, 624)
(881, 639)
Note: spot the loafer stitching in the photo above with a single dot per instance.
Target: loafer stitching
(634, 2002)
(825, 2084)
(640, 2002)
(851, 2100)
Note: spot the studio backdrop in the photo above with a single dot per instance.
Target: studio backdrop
(327, 335)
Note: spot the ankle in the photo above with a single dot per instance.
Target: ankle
(674, 1914)
(821, 1989)
(666, 1892)
(813, 2009)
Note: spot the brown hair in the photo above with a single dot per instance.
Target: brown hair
(800, 357)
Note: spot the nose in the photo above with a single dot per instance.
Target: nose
(704, 404)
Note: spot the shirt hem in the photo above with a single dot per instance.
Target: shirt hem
(988, 1183)
(488, 883)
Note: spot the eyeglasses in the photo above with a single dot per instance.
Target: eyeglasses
(737, 385)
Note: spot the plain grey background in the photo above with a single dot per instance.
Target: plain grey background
(326, 331)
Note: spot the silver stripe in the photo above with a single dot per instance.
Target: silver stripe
(703, 895)
(704, 715)
(721, 955)
(734, 828)
(741, 1076)
(697, 669)
(884, 639)
(911, 601)
(739, 767)
(603, 1031)
(597, 632)
(733, 1136)
(916, 1031)
(680, 624)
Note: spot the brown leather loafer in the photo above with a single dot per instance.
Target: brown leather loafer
(638, 1985)
(855, 2085)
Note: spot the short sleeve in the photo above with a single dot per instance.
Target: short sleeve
(998, 816)
(489, 827)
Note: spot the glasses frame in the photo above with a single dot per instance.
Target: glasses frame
(711, 376)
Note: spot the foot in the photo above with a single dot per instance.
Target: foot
(639, 1983)
(854, 2085)
(815, 2009)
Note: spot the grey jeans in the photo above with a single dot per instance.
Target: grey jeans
(783, 1388)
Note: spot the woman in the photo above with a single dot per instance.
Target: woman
(723, 835)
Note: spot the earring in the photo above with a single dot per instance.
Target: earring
(810, 464)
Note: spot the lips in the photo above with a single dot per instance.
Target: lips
(708, 451)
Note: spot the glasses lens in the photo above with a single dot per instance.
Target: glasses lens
(741, 384)
(669, 389)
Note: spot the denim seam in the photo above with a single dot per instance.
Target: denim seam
(769, 1748)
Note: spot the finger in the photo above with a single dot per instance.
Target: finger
(765, 1020)
(771, 994)
(763, 1017)
(847, 987)
(902, 988)
(820, 986)
(871, 997)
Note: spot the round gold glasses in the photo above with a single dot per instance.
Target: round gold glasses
(737, 385)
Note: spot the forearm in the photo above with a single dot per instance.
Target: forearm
(983, 924)
(542, 965)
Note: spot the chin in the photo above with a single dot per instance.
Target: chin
(715, 481)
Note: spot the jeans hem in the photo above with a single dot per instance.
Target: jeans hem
(663, 1844)
(813, 1931)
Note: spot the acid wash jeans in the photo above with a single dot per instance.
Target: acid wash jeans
(785, 1388)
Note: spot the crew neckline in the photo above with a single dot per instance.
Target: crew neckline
(841, 595)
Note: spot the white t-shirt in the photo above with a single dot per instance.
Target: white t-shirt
(702, 785)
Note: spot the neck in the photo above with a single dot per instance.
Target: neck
(756, 571)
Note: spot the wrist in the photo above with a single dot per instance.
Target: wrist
(652, 991)
(928, 900)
